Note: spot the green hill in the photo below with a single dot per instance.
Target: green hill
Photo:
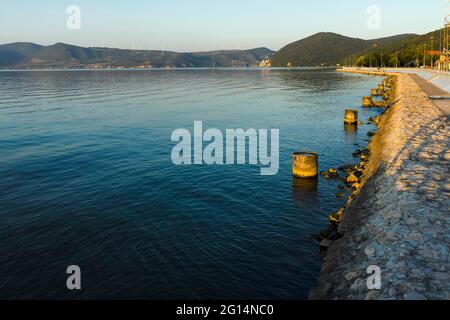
(408, 51)
(60, 55)
(329, 49)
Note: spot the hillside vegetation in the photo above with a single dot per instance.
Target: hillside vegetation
(408, 52)
(330, 49)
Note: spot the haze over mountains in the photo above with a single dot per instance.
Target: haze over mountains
(321, 49)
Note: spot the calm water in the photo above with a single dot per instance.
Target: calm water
(86, 178)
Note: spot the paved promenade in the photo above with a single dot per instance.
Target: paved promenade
(400, 219)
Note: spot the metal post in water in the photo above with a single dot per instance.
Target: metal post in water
(305, 165)
(367, 101)
(351, 117)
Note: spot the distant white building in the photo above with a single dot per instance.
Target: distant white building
(266, 63)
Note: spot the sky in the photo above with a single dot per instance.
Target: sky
(202, 25)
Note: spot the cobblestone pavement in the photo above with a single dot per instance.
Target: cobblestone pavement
(400, 219)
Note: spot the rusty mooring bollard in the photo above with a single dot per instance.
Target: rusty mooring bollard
(351, 117)
(305, 165)
(367, 101)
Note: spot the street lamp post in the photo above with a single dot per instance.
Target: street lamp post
(396, 59)
(417, 61)
(424, 55)
(431, 53)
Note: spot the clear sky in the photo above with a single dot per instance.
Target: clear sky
(194, 25)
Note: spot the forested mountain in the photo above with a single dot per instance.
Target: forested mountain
(60, 55)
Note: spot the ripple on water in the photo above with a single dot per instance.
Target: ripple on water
(86, 178)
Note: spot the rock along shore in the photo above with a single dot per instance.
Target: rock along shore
(400, 219)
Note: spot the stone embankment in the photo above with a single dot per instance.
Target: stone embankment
(400, 218)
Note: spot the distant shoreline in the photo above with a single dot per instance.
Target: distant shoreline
(166, 69)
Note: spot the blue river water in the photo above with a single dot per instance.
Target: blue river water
(86, 179)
